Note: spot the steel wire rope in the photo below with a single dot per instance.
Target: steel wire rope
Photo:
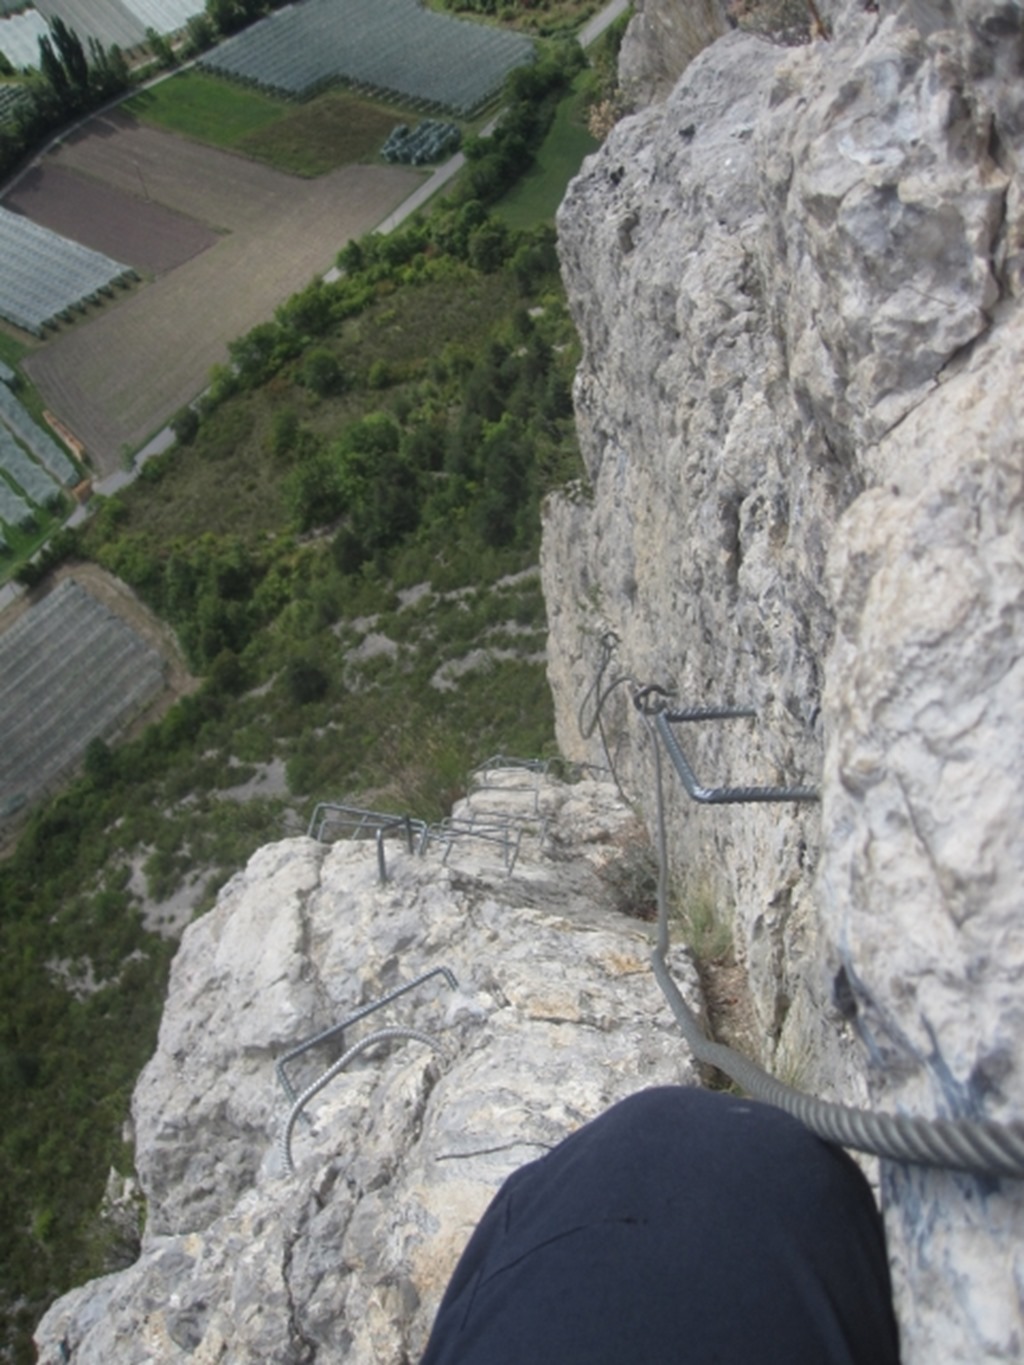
(379, 1036)
(979, 1147)
(609, 641)
(337, 1031)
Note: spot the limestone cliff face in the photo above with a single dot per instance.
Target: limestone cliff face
(554, 1016)
(797, 279)
(662, 38)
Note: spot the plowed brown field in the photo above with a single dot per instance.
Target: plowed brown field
(145, 235)
(118, 377)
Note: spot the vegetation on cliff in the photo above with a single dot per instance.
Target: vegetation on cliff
(343, 539)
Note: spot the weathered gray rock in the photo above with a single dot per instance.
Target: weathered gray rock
(703, 543)
(662, 38)
(556, 1015)
(797, 281)
(923, 862)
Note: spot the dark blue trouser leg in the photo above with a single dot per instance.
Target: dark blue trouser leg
(679, 1227)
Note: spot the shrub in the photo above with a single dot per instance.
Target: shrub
(305, 681)
(321, 373)
(284, 431)
(185, 425)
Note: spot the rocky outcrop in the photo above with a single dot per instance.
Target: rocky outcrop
(797, 281)
(661, 40)
(555, 1016)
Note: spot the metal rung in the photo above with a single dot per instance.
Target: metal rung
(718, 796)
(451, 830)
(337, 1031)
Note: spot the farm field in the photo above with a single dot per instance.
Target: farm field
(334, 129)
(537, 194)
(148, 236)
(118, 377)
(206, 108)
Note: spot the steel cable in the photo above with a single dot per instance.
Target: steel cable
(381, 1035)
(609, 640)
(977, 1147)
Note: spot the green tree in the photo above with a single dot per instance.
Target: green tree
(353, 256)
(200, 34)
(258, 354)
(72, 54)
(100, 765)
(488, 246)
(108, 71)
(505, 493)
(284, 431)
(163, 53)
(321, 372)
(185, 425)
(226, 15)
(308, 313)
(305, 681)
(54, 74)
(535, 257)
(313, 492)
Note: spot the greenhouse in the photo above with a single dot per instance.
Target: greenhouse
(10, 97)
(43, 447)
(19, 38)
(38, 486)
(46, 275)
(393, 47)
(14, 510)
(71, 671)
(166, 16)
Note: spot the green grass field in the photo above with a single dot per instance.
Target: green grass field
(335, 129)
(207, 109)
(538, 193)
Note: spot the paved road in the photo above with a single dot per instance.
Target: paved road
(593, 28)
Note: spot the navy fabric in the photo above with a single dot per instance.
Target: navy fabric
(681, 1227)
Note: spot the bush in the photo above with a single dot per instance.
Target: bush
(321, 373)
(284, 431)
(305, 681)
(185, 425)
(380, 375)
